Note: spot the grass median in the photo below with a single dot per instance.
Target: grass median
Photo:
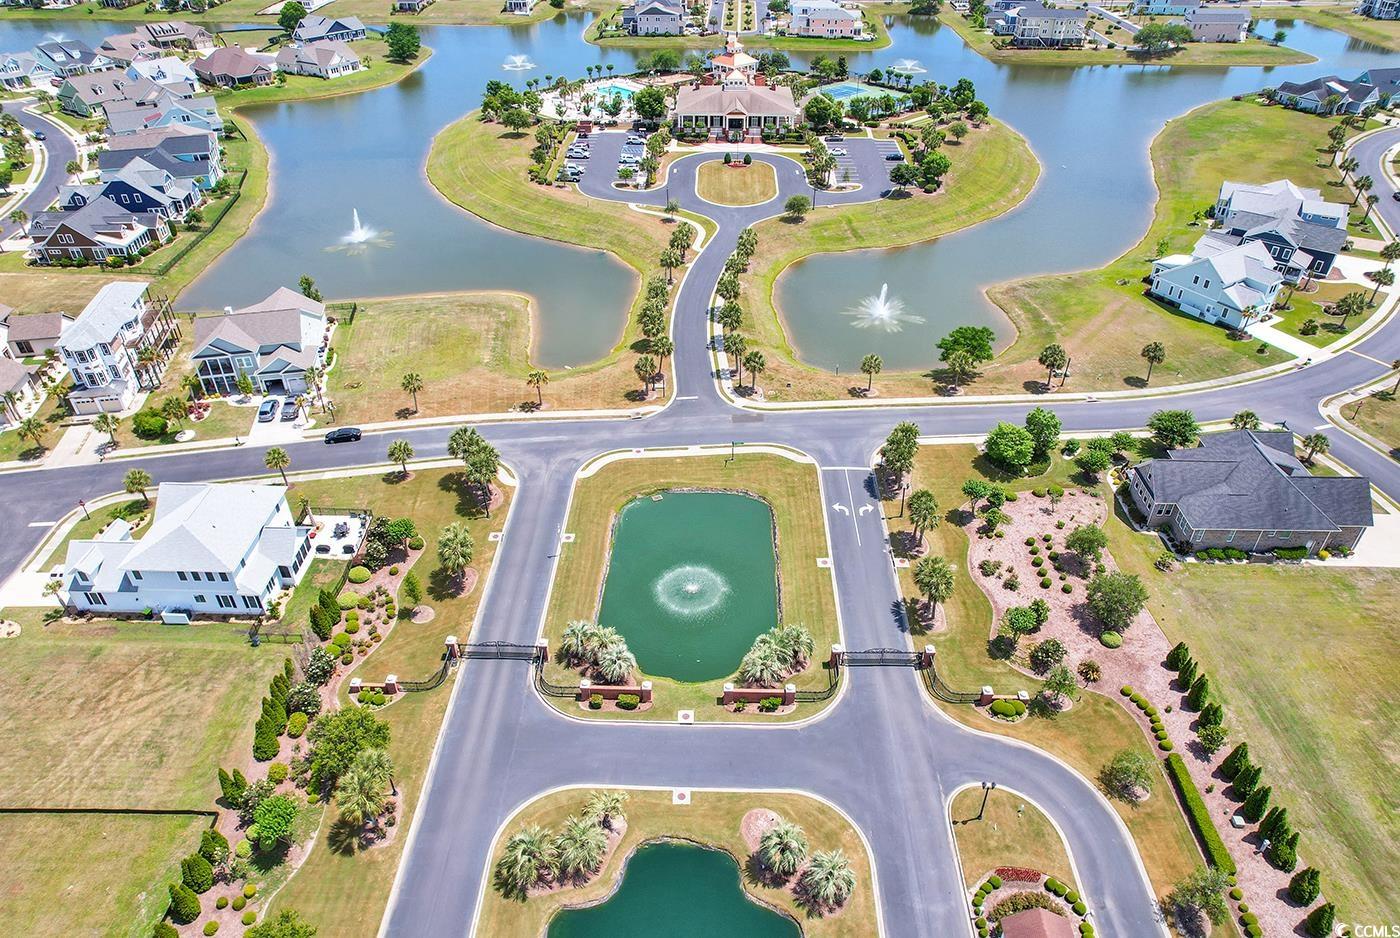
(1008, 831)
(736, 185)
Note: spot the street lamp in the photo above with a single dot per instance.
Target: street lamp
(986, 790)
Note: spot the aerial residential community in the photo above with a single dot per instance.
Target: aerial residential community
(735, 467)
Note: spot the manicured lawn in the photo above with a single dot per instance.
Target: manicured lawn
(339, 888)
(52, 412)
(223, 421)
(1102, 318)
(68, 874)
(993, 171)
(134, 511)
(1308, 305)
(1215, 54)
(736, 185)
(1011, 832)
(1380, 418)
(791, 490)
(1096, 728)
(713, 819)
(473, 352)
(1380, 32)
(378, 73)
(467, 12)
(1303, 659)
(43, 289)
(482, 168)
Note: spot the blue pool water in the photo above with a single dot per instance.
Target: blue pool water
(609, 91)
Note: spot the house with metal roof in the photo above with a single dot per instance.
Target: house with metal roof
(102, 348)
(1245, 489)
(273, 342)
(211, 549)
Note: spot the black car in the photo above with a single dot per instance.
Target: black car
(344, 435)
(895, 156)
(1395, 196)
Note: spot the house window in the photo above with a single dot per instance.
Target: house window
(181, 574)
(252, 602)
(136, 574)
(1206, 285)
(224, 577)
(96, 599)
(1229, 537)
(1198, 535)
(1195, 281)
(225, 602)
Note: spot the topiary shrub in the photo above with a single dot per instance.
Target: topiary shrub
(277, 773)
(165, 930)
(249, 890)
(238, 901)
(296, 725)
(994, 881)
(1305, 886)
(196, 873)
(211, 927)
(352, 628)
(221, 902)
(1051, 884)
(249, 917)
(243, 851)
(359, 574)
(1321, 921)
(1079, 908)
(149, 425)
(184, 904)
(1166, 745)
(1110, 640)
(347, 600)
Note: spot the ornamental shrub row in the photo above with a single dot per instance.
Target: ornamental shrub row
(1199, 814)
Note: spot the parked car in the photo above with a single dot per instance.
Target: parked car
(575, 154)
(1395, 196)
(838, 151)
(634, 141)
(837, 137)
(267, 411)
(627, 159)
(323, 548)
(344, 435)
(895, 156)
(290, 409)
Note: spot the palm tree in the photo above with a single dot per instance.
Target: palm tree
(137, 481)
(1245, 420)
(662, 347)
(1052, 358)
(756, 364)
(731, 315)
(146, 358)
(923, 512)
(528, 856)
(670, 260)
(1362, 185)
(783, 848)
(108, 424)
(313, 378)
(1391, 253)
(933, 576)
(19, 216)
(1155, 353)
(762, 665)
(174, 409)
(412, 383)
(193, 386)
(455, 548)
(378, 764)
(734, 345)
(1316, 443)
(11, 400)
(795, 644)
(1348, 166)
(1383, 278)
(961, 364)
(581, 844)
(401, 451)
(604, 807)
(538, 379)
(277, 458)
(32, 428)
(1396, 365)
(616, 663)
(828, 879)
(577, 642)
(359, 795)
(870, 366)
(646, 371)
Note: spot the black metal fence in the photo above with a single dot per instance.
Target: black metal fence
(882, 658)
(833, 675)
(549, 689)
(943, 692)
(498, 650)
(431, 683)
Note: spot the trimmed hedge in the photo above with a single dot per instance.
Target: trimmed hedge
(1110, 639)
(1199, 815)
(359, 574)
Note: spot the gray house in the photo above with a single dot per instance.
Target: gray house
(1351, 96)
(183, 152)
(1245, 489)
(272, 342)
(315, 28)
(655, 18)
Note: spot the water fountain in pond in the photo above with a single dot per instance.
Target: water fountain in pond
(518, 63)
(690, 590)
(908, 67)
(361, 237)
(882, 311)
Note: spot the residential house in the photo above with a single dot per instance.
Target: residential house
(183, 152)
(1218, 25)
(1379, 9)
(1039, 26)
(1327, 95)
(18, 390)
(125, 48)
(411, 6)
(1219, 281)
(88, 95)
(272, 342)
(177, 34)
(212, 548)
(1167, 7)
(314, 28)
(33, 335)
(168, 72)
(71, 57)
(105, 348)
(1245, 489)
(98, 230)
(1386, 81)
(328, 59)
(20, 70)
(655, 18)
(232, 67)
(138, 186)
(169, 110)
(519, 7)
(1036, 923)
(117, 4)
(1002, 22)
(1303, 232)
(825, 19)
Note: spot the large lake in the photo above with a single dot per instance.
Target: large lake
(1091, 128)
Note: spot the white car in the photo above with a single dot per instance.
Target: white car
(838, 151)
(577, 154)
(627, 159)
(635, 141)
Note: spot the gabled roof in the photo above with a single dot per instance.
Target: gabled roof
(13, 375)
(94, 221)
(112, 307)
(37, 326)
(232, 62)
(758, 101)
(201, 526)
(1321, 89)
(322, 55)
(67, 52)
(314, 27)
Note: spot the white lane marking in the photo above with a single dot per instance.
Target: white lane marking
(691, 397)
(851, 493)
(864, 508)
(837, 506)
(42, 524)
(845, 468)
(1369, 358)
(1323, 426)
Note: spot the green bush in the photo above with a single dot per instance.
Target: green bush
(595, 702)
(243, 850)
(238, 901)
(1166, 745)
(184, 904)
(1254, 931)
(1079, 908)
(628, 701)
(221, 902)
(265, 744)
(1071, 897)
(249, 917)
(213, 846)
(1305, 886)
(1290, 553)
(1045, 583)
(149, 425)
(352, 628)
(770, 704)
(165, 930)
(415, 543)
(1110, 640)
(1199, 815)
(1051, 884)
(249, 890)
(1007, 709)
(1321, 921)
(196, 873)
(1249, 918)
(1244, 907)
(359, 574)
(296, 725)
(211, 927)
(347, 658)
(1126, 690)
(994, 881)
(1177, 656)
(277, 773)
(1066, 588)
(348, 600)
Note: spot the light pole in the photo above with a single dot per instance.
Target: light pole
(83, 505)
(986, 790)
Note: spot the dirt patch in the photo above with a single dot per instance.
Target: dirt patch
(423, 615)
(755, 824)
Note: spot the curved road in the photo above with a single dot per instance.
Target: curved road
(61, 151)
(882, 752)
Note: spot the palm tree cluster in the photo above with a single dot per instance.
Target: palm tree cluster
(598, 647)
(827, 882)
(653, 322)
(535, 855)
(776, 654)
(782, 850)
(362, 791)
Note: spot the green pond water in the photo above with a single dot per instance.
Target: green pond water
(679, 891)
(692, 581)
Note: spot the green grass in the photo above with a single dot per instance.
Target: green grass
(1378, 417)
(1104, 323)
(1305, 306)
(791, 490)
(736, 185)
(134, 511)
(1202, 54)
(379, 71)
(713, 819)
(461, 12)
(52, 412)
(1010, 832)
(1302, 658)
(993, 171)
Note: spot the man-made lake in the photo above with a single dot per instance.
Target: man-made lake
(691, 582)
(1090, 127)
(680, 891)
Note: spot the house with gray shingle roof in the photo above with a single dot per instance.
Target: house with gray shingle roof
(212, 548)
(88, 95)
(1303, 231)
(168, 110)
(232, 67)
(329, 59)
(93, 233)
(315, 28)
(273, 342)
(1313, 95)
(183, 152)
(71, 57)
(138, 186)
(33, 334)
(1245, 489)
(20, 70)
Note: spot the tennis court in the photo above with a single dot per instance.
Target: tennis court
(850, 90)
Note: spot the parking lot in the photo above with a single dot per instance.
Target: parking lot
(864, 161)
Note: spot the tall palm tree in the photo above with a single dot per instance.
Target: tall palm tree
(33, 429)
(828, 880)
(12, 404)
(734, 346)
(763, 664)
(108, 424)
(933, 576)
(1391, 253)
(576, 644)
(412, 383)
(538, 379)
(146, 358)
(277, 458)
(136, 482)
(670, 260)
(401, 451)
(662, 347)
(174, 409)
(1383, 278)
(529, 856)
(1363, 185)
(871, 366)
(313, 378)
(783, 848)
(923, 512)
(378, 764)
(646, 371)
(795, 644)
(756, 364)
(1316, 443)
(455, 548)
(581, 844)
(616, 663)
(605, 806)
(193, 386)
(1348, 166)
(1245, 420)
(359, 795)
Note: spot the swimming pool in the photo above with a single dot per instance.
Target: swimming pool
(610, 91)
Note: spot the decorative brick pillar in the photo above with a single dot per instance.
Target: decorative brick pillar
(645, 694)
(354, 686)
(452, 650)
(542, 649)
(926, 658)
(838, 655)
(585, 688)
(728, 693)
(391, 684)
(789, 694)
(987, 695)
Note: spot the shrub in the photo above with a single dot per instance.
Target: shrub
(1283, 853)
(1166, 745)
(770, 704)
(322, 624)
(265, 744)
(165, 930)
(352, 628)
(1045, 583)
(1079, 908)
(319, 667)
(348, 600)
(243, 850)
(196, 873)
(249, 917)
(1045, 655)
(347, 658)
(1006, 709)
(415, 543)
(1199, 815)
(359, 574)
(1290, 553)
(149, 425)
(994, 881)
(628, 701)
(1321, 921)
(249, 890)
(238, 901)
(277, 773)
(1030, 541)
(1305, 886)
(296, 725)
(1020, 902)
(211, 927)
(1177, 656)
(1110, 640)
(595, 702)
(1236, 760)
(184, 904)
(1256, 804)
(1066, 588)
(221, 902)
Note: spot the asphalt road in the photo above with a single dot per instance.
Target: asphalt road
(883, 752)
(60, 151)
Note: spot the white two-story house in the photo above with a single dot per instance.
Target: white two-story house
(1220, 281)
(103, 347)
(212, 548)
